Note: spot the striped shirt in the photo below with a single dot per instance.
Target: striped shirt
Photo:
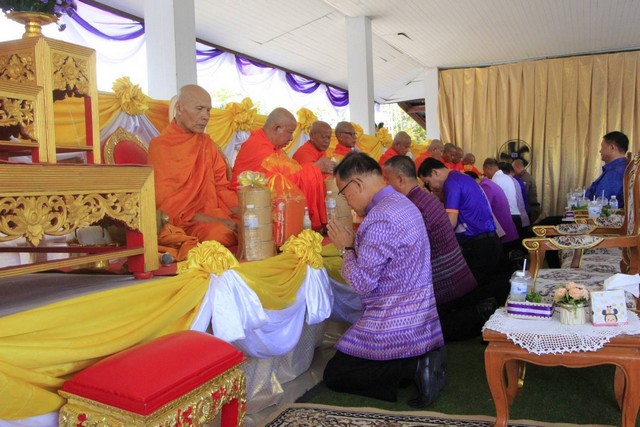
(391, 271)
(452, 278)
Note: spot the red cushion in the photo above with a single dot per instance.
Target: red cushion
(146, 377)
(128, 152)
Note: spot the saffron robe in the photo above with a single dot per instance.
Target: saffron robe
(341, 151)
(308, 178)
(190, 178)
(308, 153)
(387, 155)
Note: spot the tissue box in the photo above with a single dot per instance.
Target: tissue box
(608, 308)
(529, 310)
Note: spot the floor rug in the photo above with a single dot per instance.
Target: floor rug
(308, 414)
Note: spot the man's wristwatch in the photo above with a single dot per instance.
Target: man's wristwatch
(345, 249)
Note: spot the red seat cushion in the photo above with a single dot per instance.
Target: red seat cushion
(128, 152)
(144, 378)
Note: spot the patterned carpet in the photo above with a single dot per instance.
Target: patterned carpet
(307, 414)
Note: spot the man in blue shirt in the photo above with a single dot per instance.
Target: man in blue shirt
(613, 150)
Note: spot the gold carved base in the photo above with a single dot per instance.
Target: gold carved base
(199, 407)
(32, 21)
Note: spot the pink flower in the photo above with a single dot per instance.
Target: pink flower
(560, 293)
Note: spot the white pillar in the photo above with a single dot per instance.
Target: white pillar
(171, 46)
(360, 72)
(431, 103)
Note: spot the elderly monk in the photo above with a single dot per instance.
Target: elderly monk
(315, 148)
(346, 136)
(435, 150)
(400, 147)
(266, 145)
(191, 173)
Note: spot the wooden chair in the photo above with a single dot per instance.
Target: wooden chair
(626, 237)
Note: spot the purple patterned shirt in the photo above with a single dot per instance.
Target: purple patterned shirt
(391, 272)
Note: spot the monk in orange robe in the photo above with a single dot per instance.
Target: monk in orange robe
(316, 147)
(435, 150)
(468, 162)
(346, 136)
(191, 173)
(400, 147)
(264, 146)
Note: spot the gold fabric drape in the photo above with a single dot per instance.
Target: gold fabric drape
(561, 107)
(42, 347)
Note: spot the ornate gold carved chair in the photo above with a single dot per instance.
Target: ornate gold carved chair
(123, 148)
(590, 236)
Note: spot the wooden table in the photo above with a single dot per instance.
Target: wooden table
(503, 356)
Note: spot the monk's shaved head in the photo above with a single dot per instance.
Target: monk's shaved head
(280, 126)
(320, 135)
(401, 143)
(193, 108)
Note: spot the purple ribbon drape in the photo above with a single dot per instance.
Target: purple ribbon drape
(301, 84)
(337, 97)
(208, 54)
(138, 28)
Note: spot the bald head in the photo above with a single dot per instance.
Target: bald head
(320, 135)
(449, 152)
(346, 134)
(518, 166)
(401, 143)
(279, 127)
(193, 109)
(436, 148)
(469, 159)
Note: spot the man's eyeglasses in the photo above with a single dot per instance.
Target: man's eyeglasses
(349, 133)
(341, 191)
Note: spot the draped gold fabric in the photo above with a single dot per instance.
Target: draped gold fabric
(234, 117)
(561, 107)
(306, 118)
(42, 347)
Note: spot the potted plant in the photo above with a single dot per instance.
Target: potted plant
(35, 13)
(572, 302)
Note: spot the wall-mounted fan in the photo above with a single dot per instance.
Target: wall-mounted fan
(514, 149)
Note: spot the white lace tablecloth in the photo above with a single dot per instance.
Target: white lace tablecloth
(552, 337)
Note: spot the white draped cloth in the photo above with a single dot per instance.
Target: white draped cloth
(237, 316)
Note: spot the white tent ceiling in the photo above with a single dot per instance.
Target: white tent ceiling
(309, 37)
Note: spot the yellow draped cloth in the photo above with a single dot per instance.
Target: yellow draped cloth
(42, 347)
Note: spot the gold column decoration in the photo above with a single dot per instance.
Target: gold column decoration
(198, 407)
(62, 70)
(32, 21)
(22, 129)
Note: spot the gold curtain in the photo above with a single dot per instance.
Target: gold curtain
(561, 107)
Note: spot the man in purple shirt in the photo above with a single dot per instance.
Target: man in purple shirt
(462, 315)
(388, 264)
(613, 150)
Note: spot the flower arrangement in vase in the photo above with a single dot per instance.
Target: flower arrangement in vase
(572, 301)
(35, 13)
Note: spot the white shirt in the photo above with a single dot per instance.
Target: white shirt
(507, 184)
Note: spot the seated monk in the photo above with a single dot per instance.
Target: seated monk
(435, 150)
(191, 173)
(346, 136)
(316, 147)
(400, 147)
(266, 144)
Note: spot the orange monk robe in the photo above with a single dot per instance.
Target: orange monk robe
(450, 165)
(190, 178)
(471, 168)
(423, 157)
(308, 153)
(309, 179)
(387, 155)
(340, 152)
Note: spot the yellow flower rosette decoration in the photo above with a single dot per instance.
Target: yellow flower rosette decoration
(209, 256)
(131, 98)
(307, 246)
(243, 114)
(384, 137)
(306, 118)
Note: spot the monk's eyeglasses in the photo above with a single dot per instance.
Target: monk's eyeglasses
(349, 133)
(341, 191)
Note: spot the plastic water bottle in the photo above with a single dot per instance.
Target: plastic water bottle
(613, 203)
(332, 206)
(306, 222)
(521, 284)
(251, 243)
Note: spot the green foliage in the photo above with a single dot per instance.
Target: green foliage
(397, 120)
(533, 297)
(52, 7)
